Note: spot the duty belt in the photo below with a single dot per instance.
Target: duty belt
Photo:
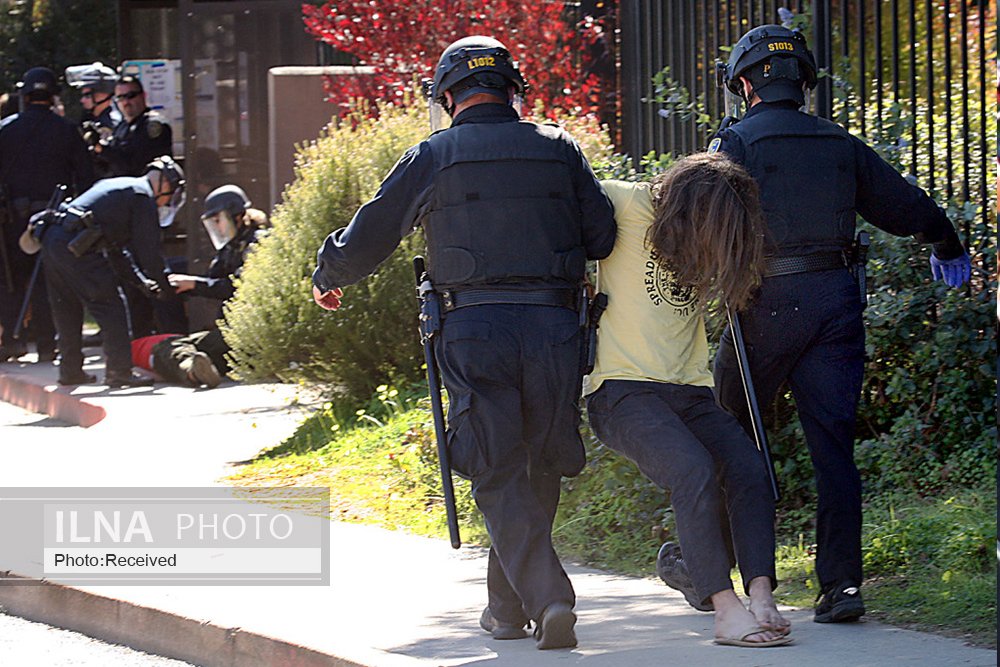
(821, 261)
(72, 219)
(563, 298)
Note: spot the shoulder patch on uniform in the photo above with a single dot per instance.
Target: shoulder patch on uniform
(713, 146)
(154, 128)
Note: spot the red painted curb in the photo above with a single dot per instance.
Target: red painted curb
(49, 400)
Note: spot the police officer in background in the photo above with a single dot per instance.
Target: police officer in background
(805, 326)
(96, 83)
(143, 136)
(38, 151)
(511, 211)
(107, 235)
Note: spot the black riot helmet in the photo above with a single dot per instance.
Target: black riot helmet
(777, 62)
(38, 83)
(224, 210)
(475, 64)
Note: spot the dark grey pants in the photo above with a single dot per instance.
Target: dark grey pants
(683, 442)
(513, 379)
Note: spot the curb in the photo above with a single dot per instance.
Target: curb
(49, 400)
(155, 631)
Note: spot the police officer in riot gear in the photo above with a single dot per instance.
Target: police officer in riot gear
(805, 326)
(107, 235)
(233, 227)
(511, 212)
(200, 357)
(143, 136)
(96, 83)
(38, 151)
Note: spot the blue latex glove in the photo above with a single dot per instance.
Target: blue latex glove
(954, 272)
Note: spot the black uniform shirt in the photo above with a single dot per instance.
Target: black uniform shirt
(40, 150)
(125, 210)
(134, 145)
(226, 265)
(353, 252)
(882, 196)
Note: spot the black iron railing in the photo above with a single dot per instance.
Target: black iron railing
(912, 73)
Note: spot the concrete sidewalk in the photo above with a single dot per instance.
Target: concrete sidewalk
(394, 599)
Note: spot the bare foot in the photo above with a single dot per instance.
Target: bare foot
(769, 617)
(763, 608)
(734, 621)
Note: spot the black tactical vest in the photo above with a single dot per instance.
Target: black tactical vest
(805, 169)
(504, 208)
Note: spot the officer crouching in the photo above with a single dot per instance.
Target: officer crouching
(107, 235)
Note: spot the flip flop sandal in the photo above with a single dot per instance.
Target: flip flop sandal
(742, 642)
(674, 573)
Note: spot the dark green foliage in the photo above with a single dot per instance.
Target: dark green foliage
(54, 34)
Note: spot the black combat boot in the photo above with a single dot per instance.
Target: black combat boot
(839, 604)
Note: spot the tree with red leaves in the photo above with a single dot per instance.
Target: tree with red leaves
(402, 40)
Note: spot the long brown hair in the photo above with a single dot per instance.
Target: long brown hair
(708, 228)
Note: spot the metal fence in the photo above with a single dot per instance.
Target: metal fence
(922, 65)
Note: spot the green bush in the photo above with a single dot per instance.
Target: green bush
(273, 325)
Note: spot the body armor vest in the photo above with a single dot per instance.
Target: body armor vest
(504, 208)
(805, 169)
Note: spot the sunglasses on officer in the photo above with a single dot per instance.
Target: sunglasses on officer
(131, 95)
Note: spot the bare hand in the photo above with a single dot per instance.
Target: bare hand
(181, 282)
(328, 300)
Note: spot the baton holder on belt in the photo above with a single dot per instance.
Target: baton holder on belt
(861, 245)
(430, 327)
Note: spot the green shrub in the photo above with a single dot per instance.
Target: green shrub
(273, 325)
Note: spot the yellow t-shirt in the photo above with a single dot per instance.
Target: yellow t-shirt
(651, 329)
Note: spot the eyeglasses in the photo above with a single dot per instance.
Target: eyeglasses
(86, 95)
(128, 96)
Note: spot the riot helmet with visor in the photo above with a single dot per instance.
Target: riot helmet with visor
(224, 210)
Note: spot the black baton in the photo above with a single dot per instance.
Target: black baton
(54, 200)
(430, 326)
(760, 438)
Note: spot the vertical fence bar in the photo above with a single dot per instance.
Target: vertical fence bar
(931, 99)
(949, 169)
(879, 67)
(845, 55)
(966, 155)
(913, 84)
(982, 119)
(716, 97)
(821, 29)
(706, 59)
(862, 62)
(665, 131)
(671, 141)
(693, 72)
(895, 51)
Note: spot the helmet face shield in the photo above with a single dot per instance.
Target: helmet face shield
(169, 211)
(435, 112)
(221, 228)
